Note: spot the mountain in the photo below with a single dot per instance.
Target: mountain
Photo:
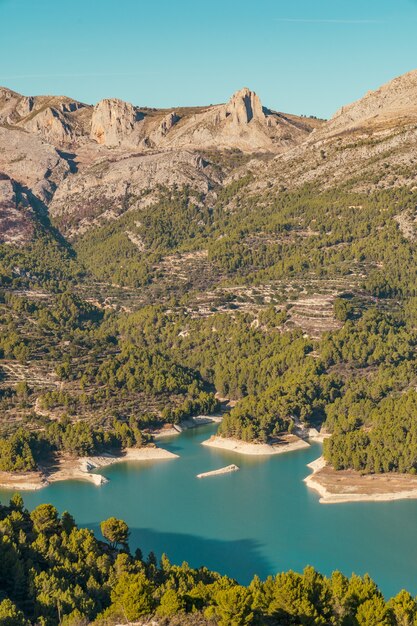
(242, 123)
(366, 145)
(149, 259)
(139, 181)
(82, 161)
(88, 164)
(393, 104)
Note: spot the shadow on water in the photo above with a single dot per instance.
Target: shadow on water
(243, 556)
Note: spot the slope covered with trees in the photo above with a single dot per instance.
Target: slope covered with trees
(218, 311)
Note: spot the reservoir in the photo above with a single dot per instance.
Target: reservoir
(259, 520)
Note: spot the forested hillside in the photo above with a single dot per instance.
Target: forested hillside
(144, 282)
(300, 306)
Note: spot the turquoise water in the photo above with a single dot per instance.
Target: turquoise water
(262, 519)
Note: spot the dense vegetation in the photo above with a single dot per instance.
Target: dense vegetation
(259, 238)
(52, 572)
(200, 296)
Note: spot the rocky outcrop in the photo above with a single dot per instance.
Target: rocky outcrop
(33, 163)
(242, 123)
(245, 106)
(16, 218)
(113, 122)
(395, 101)
(51, 125)
(157, 136)
(58, 120)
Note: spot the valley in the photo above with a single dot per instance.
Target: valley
(161, 268)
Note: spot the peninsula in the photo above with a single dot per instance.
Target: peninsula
(287, 443)
(67, 467)
(336, 486)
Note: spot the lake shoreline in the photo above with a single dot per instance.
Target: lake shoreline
(173, 430)
(342, 486)
(288, 443)
(81, 468)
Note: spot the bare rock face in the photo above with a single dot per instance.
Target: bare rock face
(9, 101)
(31, 162)
(157, 136)
(241, 123)
(16, 223)
(394, 102)
(51, 125)
(24, 107)
(57, 119)
(244, 106)
(167, 123)
(113, 122)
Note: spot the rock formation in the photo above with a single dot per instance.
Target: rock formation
(245, 106)
(113, 122)
(87, 164)
(396, 101)
(16, 218)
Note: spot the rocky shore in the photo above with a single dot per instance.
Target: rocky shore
(70, 468)
(287, 443)
(172, 430)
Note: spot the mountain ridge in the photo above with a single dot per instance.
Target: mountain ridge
(114, 122)
(87, 165)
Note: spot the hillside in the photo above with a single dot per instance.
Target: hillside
(151, 259)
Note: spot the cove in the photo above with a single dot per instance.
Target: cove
(259, 520)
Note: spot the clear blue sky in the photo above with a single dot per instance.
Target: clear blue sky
(303, 56)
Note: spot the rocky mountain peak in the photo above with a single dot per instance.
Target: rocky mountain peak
(244, 106)
(112, 121)
(396, 101)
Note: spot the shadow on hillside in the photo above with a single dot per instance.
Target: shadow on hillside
(240, 559)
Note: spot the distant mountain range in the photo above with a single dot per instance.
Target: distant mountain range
(84, 165)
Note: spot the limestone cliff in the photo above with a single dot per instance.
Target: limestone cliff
(113, 122)
(394, 102)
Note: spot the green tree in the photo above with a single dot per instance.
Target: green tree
(10, 614)
(373, 612)
(132, 596)
(404, 609)
(116, 531)
(233, 606)
(16, 502)
(67, 522)
(171, 604)
(45, 519)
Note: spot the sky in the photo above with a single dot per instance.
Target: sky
(305, 56)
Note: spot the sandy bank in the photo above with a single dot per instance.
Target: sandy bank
(199, 420)
(70, 468)
(218, 472)
(319, 436)
(287, 443)
(161, 433)
(192, 422)
(350, 486)
(28, 481)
